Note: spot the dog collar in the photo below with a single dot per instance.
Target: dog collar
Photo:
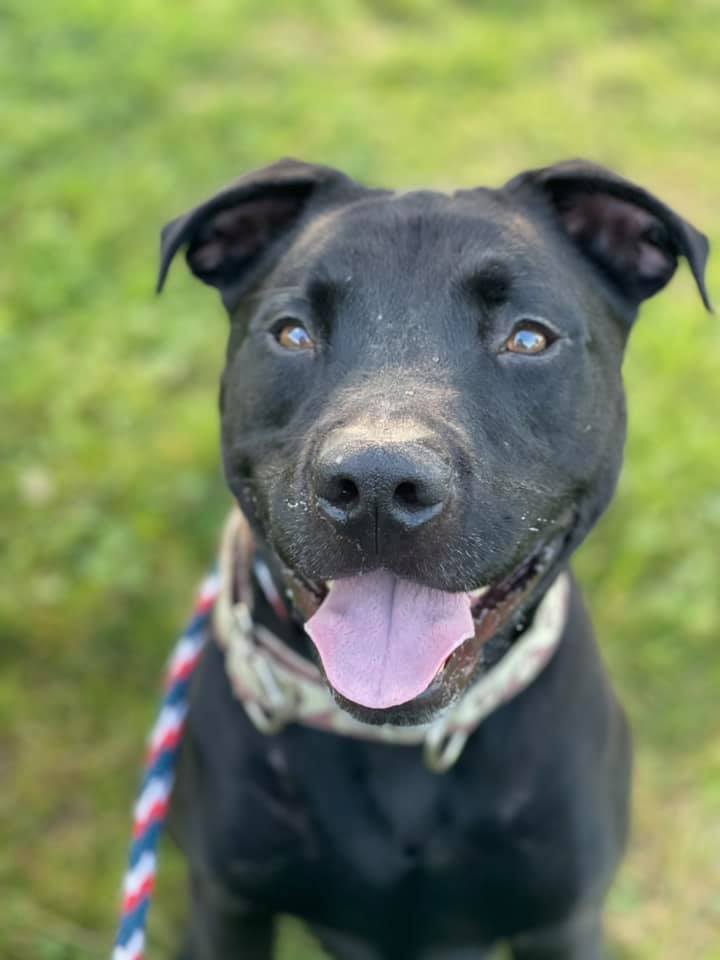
(277, 686)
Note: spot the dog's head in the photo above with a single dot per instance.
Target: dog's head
(422, 406)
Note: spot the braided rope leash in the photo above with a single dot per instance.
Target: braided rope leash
(154, 797)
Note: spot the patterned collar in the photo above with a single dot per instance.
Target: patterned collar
(277, 686)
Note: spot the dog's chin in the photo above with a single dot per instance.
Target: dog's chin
(499, 610)
(447, 686)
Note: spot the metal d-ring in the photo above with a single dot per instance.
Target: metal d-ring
(442, 747)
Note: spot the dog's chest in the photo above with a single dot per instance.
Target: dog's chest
(344, 810)
(353, 834)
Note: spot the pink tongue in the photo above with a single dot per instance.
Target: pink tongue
(382, 640)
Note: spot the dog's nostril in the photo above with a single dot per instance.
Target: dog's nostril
(342, 492)
(347, 491)
(406, 494)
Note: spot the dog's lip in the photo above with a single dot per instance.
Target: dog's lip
(308, 594)
(316, 591)
(493, 606)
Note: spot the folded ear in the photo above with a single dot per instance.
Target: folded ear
(230, 235)
(630, 235)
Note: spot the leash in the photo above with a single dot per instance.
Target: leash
(153, 800)
(277, 686)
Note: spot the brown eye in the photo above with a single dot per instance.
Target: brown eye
(529, 338)
(293, 336)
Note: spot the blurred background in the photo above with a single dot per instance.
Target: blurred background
(116, 117)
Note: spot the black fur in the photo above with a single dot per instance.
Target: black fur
(410, 299)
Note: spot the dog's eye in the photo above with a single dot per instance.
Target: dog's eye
(292, 335)
(529, 337)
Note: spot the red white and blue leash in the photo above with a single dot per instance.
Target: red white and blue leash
(160, 763)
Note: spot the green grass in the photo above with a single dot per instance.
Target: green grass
(116, 117)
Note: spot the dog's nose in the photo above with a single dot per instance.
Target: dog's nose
(400, 484)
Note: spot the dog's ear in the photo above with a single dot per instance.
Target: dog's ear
(229, 236)
(630, 235)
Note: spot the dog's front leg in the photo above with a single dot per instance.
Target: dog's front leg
(223, 928)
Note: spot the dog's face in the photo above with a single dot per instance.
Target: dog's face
(422, 407)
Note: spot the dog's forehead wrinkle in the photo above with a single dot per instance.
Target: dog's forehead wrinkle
(376, 227)
(271, 291)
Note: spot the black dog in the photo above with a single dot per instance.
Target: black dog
(435, 380)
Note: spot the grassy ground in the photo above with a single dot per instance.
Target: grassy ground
(113, 118)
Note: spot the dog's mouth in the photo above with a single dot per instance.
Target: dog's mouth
(397, 651)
